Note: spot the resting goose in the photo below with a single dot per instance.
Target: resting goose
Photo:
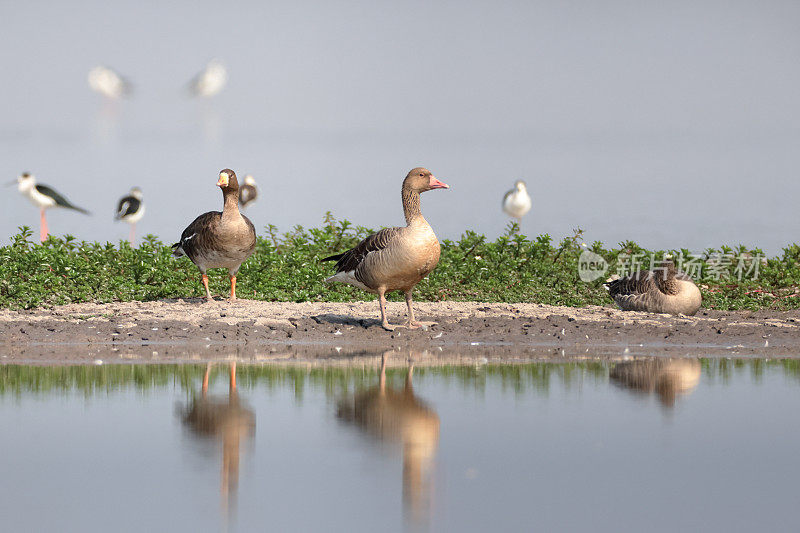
(662, 290)
(219, 240)
(44, 198)
(248, 192)
(395, 259)
(130, 209)
(517, 201)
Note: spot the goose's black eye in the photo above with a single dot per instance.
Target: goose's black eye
(421, 174)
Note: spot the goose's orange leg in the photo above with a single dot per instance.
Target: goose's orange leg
(233, 287)
(205, 284)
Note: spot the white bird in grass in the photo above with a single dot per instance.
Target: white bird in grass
(130, 209)
(517, 201)
(44, 198)
(110, 84)
(210, 81)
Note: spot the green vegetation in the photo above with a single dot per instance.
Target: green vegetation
(287, 267)
(16, 380)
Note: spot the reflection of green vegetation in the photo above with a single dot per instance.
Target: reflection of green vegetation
(18, 379)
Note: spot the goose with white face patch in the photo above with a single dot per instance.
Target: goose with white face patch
(395, 259)
(219, 239)
(44, 198)
(130, 209)
(517, 201)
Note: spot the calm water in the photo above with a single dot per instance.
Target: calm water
(655, 444)
(674, 127)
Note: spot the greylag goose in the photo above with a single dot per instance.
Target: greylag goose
(209, 81)
(666, 377)
(398, 416)
(130, 209)
(395, 259)
(44, 198)
(517, 201)
(248, 192)
(110, 84)
(219, 240)
(662, 290)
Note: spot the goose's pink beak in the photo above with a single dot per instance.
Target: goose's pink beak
(436, 184)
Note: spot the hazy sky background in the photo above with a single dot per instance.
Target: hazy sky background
(673, 124)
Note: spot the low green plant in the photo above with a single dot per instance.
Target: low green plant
(288, 267)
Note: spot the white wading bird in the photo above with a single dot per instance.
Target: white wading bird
(210, 81)
(130, 209)
(44, 198)
(110, 84)
(517, 201)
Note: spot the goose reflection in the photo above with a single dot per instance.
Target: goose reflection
(668, 378)
(396, 416)
(225, 419)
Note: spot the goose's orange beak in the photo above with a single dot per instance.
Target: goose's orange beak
(436, 184)
(223, 179)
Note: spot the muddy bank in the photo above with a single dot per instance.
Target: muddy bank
(186, 328)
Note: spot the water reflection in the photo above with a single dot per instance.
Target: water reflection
(667, 378)
(226, 419)
(397, 416)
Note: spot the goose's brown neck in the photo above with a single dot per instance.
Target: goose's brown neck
(411, 208)
(665, 279)
(231, 206)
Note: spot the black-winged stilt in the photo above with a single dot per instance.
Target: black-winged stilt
(130, 209)
(44, 198)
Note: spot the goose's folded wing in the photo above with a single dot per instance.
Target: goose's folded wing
(638, 283)
(197, 234)
(351, 259)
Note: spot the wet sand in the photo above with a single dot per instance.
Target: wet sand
(192, 330)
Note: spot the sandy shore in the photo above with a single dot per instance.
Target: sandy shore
(191, 329)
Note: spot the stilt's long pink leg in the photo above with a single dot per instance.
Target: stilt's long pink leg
(43, 231)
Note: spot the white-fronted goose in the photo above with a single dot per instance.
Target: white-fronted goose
(209, 81)
(395, 259)
(219, 240)
(130, 209)
(44, 198)
(517, 201)
(662, 290)
(398, 416)
(248, 192)
(110, 84)
(665, 377)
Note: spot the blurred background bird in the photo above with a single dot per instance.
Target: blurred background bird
(248, 192)
(130, 209)
(210, 81)
(517, 201)
(110, 84)
(44, 198)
